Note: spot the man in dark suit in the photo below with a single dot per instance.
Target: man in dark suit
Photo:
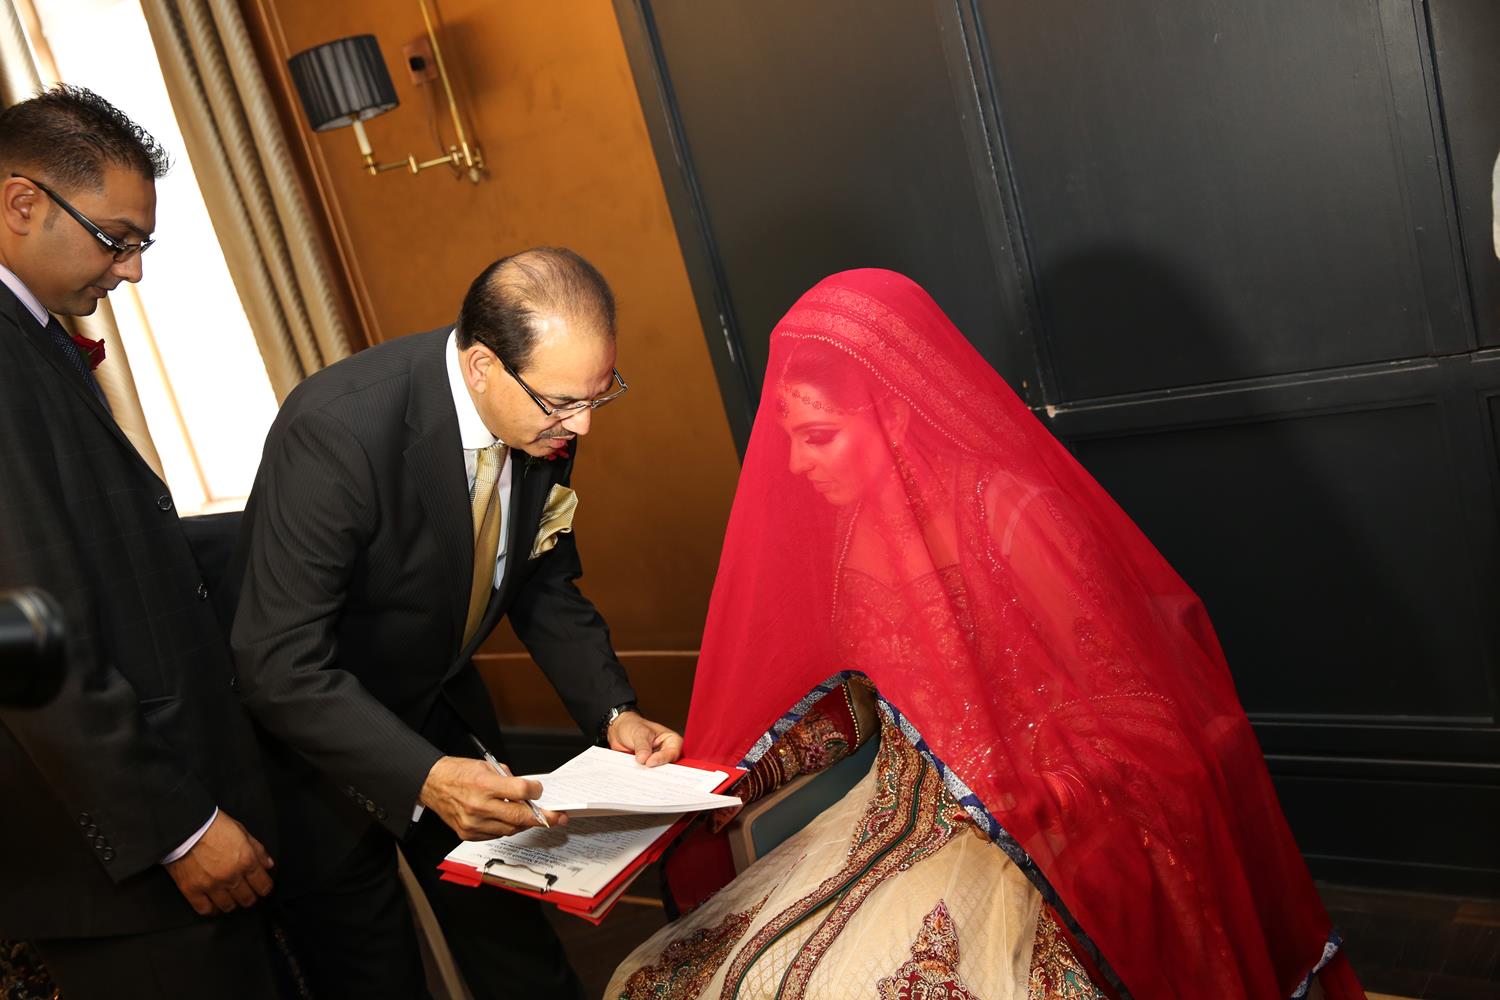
(408, 498)
(133, 800)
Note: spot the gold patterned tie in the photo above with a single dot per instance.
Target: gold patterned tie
(486, 510)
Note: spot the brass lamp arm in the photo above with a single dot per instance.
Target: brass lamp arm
(456, 157)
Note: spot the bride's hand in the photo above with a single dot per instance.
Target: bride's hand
(651, 742)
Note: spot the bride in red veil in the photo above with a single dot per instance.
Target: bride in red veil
(1064, 766)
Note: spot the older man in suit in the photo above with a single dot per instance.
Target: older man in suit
(408, 498)
(134, 799)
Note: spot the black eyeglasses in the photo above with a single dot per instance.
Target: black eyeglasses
(569, 408)
(121, 251)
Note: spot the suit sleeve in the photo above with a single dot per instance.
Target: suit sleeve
(312, 514)
(110, 771)
(566, 635)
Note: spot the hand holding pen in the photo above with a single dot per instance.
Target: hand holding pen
(480, 800)
(504, 772)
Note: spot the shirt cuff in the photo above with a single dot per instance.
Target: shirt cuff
(191, 842)
(416, 813)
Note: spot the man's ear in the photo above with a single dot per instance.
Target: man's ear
(479, 365)
(20, 206)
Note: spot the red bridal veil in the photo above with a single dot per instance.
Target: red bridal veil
(1027, 637)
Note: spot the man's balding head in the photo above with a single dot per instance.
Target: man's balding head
(518, 299)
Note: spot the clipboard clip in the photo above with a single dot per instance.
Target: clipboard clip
(549, 878)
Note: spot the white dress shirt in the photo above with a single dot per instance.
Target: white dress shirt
(9, 279)
(40, 314)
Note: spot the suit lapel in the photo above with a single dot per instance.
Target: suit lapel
(436, 463)
(40, 341)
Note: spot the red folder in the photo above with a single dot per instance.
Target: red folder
(596, 907)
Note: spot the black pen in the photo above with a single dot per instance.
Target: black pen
(501, 770)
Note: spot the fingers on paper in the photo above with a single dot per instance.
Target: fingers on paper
(665, 748)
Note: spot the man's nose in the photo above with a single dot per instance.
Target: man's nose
(580, 422)
(128, 269)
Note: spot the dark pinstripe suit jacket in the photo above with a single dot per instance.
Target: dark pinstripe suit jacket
(357, 554)
(146, 736)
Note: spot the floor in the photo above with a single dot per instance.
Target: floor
(1432, 947)
(1402, 945)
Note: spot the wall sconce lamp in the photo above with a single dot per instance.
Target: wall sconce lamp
(344, 82)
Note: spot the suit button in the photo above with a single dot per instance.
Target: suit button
(202, 591)
(164, 502)
(369, 806)
(234, 682)
(91, 831)
(380, 815)
(109, 854)
(84, 819)
(100, 843)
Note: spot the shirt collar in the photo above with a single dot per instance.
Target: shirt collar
(472, 432)
(16, 285)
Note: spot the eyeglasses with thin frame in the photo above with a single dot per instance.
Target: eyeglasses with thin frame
(569, 408)
(121, 251)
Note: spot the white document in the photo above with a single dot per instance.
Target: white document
(583, 857)
(602, 782)
(579, 859)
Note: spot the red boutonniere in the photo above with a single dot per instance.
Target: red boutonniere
(93, 350)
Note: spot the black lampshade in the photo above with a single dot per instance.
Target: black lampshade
(342, 81)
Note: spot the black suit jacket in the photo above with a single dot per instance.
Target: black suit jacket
(356, 559)
(146, 736)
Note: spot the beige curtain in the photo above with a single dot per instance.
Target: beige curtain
(18, 81)
(263, 216)
(18, 77)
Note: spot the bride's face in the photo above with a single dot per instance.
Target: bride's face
(842, 453)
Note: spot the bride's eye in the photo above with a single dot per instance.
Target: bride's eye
(819, 437)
